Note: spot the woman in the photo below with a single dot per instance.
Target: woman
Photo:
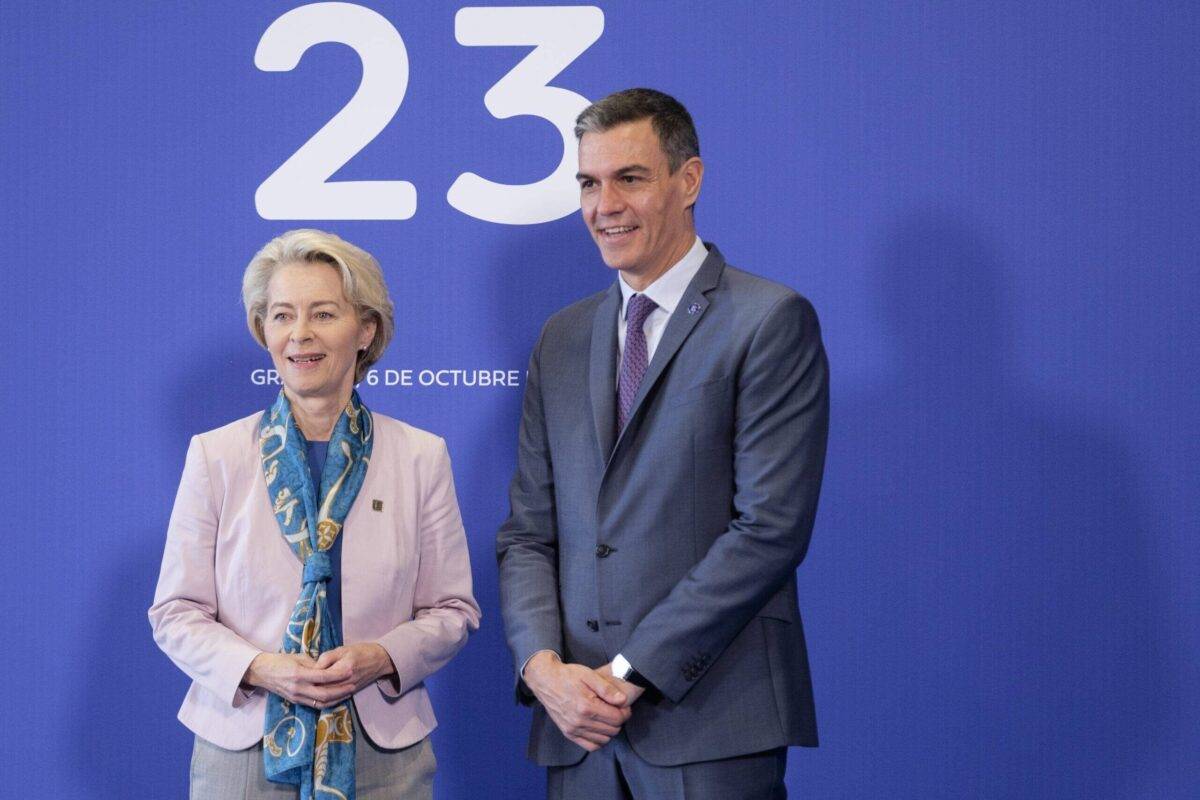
(315, 569)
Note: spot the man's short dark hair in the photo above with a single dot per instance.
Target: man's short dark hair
(671, 121)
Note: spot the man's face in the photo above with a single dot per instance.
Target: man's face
(636, 210)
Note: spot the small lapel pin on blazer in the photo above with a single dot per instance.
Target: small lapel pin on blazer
(377, 505)
(693, 309)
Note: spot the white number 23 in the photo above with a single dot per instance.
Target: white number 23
(300, 188)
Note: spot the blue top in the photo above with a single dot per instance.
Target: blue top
(333, 596)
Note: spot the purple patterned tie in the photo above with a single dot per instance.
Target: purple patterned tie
(635, 360)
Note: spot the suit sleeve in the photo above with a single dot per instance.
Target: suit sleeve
(444, 608)
(527, 543)
(780, 430)
(184, 614)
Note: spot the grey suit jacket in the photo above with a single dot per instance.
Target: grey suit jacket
(675, 543)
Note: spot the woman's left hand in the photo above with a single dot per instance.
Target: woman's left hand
(363, 664)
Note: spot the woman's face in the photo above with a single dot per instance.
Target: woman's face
(313, 332)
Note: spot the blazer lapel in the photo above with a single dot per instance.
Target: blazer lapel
(689, 311)
(603, 375)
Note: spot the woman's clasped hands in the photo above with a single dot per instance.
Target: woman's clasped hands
(322, 682)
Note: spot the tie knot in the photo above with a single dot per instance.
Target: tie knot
(639, 308)
(319, 567)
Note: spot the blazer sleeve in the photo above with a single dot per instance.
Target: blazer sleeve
(444, 608)
(527, 543)
(184, 614)
(780, 430)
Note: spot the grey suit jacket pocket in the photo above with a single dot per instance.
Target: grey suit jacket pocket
(692, 394)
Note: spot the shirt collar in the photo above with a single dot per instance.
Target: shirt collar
(668, 289)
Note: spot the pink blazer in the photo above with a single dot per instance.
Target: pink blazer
(229, 580)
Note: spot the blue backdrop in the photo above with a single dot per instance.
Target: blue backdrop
(994, 209)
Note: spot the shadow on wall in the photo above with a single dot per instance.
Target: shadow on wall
(125, 741)
(1000, 635)
(538, 270)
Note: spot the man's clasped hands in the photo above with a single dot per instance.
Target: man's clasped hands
(589, 706)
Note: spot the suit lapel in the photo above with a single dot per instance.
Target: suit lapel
(603, 375)
(683, 320)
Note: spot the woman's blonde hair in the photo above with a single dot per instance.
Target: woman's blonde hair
(362, 282)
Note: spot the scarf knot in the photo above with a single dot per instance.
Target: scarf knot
(318, 567)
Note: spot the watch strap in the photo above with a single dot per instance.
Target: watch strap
(621, 668)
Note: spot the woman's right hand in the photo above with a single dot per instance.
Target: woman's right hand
(296, 678)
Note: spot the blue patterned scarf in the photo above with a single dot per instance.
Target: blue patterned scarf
(301, 746)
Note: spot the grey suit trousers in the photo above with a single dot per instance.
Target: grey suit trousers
(616, 772)
(379, 774)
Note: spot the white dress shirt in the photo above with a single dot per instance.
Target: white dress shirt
(666, 292)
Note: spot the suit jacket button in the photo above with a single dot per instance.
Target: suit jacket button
(593, 624)
(602, 550)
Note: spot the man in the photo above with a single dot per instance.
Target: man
(671, 451)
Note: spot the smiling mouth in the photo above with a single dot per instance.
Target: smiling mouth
(307, 358)
(617, 230)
